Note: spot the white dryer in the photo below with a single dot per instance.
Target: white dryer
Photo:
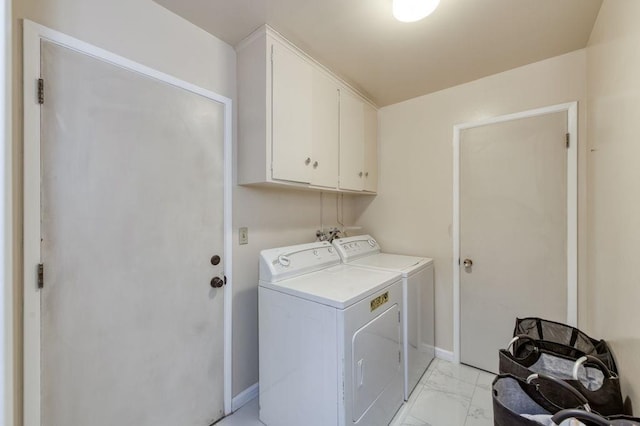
(330, 339)
(418, 297)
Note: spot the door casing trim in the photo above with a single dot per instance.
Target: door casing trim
(572, 209)
(33, 34)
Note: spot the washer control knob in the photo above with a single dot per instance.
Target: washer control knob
(315, 252)
(284, 260)
(330, 249)
(372, 242)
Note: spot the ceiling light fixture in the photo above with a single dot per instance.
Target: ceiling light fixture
(413, 10)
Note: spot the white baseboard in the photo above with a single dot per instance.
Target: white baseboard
(245, 396)
(444, 355)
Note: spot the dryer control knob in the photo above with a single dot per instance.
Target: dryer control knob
(372, 242)
(330, 249)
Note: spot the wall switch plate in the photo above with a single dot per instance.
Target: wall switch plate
(243, 235)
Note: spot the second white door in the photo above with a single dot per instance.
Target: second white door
(513, 230)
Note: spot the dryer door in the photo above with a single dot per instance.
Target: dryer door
(376, 358)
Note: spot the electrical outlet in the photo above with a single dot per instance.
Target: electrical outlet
(243, 235)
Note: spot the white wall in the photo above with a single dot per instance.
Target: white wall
(413, 212)
(613, 70)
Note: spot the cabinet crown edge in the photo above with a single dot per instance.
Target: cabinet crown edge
(269, 32)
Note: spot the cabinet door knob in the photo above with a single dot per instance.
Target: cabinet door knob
(366, 174)
(315, 164)
(307, 161)
(360, 174)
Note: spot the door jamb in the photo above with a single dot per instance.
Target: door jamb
(572, 209)
(33, 34)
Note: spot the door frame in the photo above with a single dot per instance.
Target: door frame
(572, 209)
(33, 35)
(7, 308)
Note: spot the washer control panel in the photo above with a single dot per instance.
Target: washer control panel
(351, 248)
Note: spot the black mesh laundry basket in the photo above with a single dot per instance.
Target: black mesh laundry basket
(588, 375)
(594, 419)
(561, 339)
(518, 402)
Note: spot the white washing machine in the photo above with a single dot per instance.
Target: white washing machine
(330, 339)
(418, 297)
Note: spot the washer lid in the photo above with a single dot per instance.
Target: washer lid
(393, 262)
(339, 286)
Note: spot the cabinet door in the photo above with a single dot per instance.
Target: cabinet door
(292, 82)
(326, 134)
(370, 148)
(351, 142)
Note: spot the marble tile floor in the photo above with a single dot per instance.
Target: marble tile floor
(447, 395)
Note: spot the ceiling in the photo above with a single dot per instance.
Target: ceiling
(390, 61)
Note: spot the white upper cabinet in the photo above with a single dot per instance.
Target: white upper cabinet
(292, 113)
(325, 146)
(351, 142)
(358, 144)
(370, 148)
(296, 127)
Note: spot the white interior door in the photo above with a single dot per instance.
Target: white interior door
(513, 230)
(132, 213)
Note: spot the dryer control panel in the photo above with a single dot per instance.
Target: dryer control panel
(352, 248)
(286, 262)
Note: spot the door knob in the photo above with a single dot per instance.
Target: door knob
(467, 263)
(217, 282)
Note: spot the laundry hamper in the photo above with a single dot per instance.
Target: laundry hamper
(518, 402)
(588, 375)
(560, 339)
(593, 418)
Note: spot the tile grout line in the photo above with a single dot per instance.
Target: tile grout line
(416, 393)
(475, 389)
